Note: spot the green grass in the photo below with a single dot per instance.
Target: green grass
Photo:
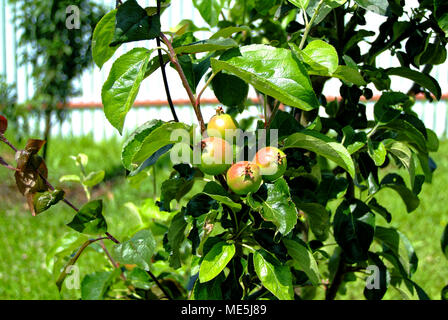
(26, 239)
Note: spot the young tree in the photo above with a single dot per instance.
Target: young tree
(56, 41)
(298, 219)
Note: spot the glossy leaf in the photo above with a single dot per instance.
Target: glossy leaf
(122, 85)
(95, 286)
(377, 151)
(134, 24)
(206, 46)
(354, 228)
(389, 106)
(350, 75)
(93, 178)
(274, 276)
(258, 65)
(322, 145)
(376, 6)
(176, 235)
(147, 140)
(441, 14)
(303, 4)
(304, 258)
(216, 260)
(227, 32)
(102, 37)
(424, 80)
(321, 56)
(89, 219)
(273, 200)
(395, 182)
(43, 201)
(209, 10)
(218, 193)
(137, 250)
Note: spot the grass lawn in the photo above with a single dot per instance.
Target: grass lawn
(26, 239)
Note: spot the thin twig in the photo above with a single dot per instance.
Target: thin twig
(111, 259)
(162, 67)
(159, 285)
(175, 62)
(73, 260)
(310, 24)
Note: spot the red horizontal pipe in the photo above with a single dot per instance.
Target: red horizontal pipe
(183, 102)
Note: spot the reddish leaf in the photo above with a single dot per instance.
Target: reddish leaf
(31, 167)
(3, 124)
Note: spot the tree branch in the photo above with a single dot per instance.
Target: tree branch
(175, 62)
(162, 67)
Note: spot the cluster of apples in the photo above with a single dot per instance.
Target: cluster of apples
(242, 177)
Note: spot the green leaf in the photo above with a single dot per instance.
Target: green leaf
(210, 290)
(432, 141)
(134, 24)
(303, 4)
(377, 6)
(424, 80)
(223, 84)
(396, 182)
(444, 241)
(209, 10)
(354, 228)
(353, 141)
(377, 151)
(95, 286)
(64, 246)
(93, 178)
(318, 217)
(43, 201)
(274, 276)
(122, 85)
(227, 32)
(215, 191)
(404, 155)
(146, 140)
(89, 219)
(176, 235)
(389, 106)
(216, 260)
(70, 178)
(321, 56)
(206, 46)
(322, 145)
(377, 293)
(375, 206)
(102, 36)
(274, 201)
(137, 250)
(259, 65)
(408, 133)
(441, 14)
(400, 246)
(349, 74)
(304, 258)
